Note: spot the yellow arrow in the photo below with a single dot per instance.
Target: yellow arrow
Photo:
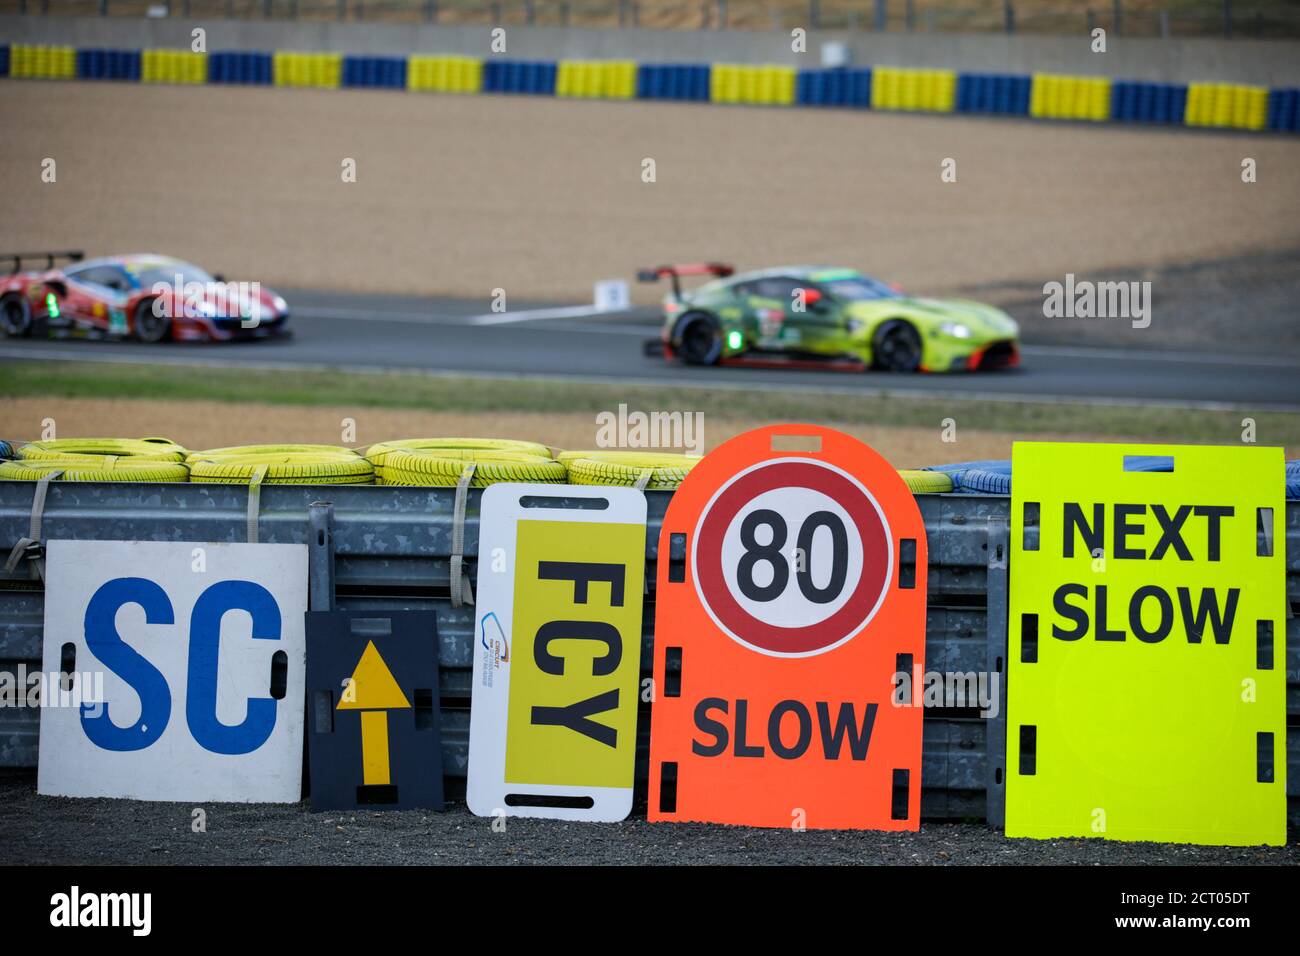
(373, 691)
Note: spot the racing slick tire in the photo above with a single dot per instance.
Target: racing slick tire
(16, 316)
(896, 347)
(699, 339)
(151, 328)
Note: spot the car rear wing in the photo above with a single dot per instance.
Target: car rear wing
(72, 255)
(675, 272)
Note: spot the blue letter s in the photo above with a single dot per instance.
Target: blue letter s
(146, 680)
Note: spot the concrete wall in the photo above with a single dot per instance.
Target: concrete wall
(1265, 62)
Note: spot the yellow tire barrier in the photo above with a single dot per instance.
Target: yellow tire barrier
(89, 450)
(320, 70)
(735, 83)
(43, 62)
(235, 451)
(596, 79)
(933, 91)
(291, 468)
(173, 66)
(1069, 97)
(663, 472)
(1226, 104)
(378, 454)
(106, 468)
(443, 467)
(444, 74)
(926, 482)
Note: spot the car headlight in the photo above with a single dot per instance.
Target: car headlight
(280, 304)
(957, 330)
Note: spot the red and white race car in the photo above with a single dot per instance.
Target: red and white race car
(149, 298)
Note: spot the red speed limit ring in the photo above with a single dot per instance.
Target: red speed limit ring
(777, 643)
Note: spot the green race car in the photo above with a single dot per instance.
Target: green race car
(802, 315)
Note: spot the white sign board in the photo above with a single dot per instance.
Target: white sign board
(612, 295)
(835, 54)
(557, 652)
(200, 652)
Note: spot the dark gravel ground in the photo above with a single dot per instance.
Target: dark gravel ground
(1245, 304)
(58, 830)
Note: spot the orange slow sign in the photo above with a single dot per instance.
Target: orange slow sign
(778, 642)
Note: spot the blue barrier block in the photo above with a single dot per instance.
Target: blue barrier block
(4, 60)
(1020, 100)
(124, 65)
(965, 92)
(667, 81)
(1122, 105)
(833, 87)
(991, 93)
(96, 64)
(219, 67)
(807, 89)
(700, 78)
(1284, 110)
(239, 67)
(1177, 102)
(517, 76)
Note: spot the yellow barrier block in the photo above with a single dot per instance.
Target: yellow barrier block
(319, 70)
(606, 79)
(724, 83)
(444, 74)
(931, 91)
(1226, 104)
(734, 83)
(884, 89)
(173, 66)
(1053, 96)
(620, 80)
(43, 62)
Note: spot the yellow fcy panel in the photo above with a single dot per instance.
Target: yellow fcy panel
(1146, 644)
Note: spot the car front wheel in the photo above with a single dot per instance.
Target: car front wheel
(150, 327)
(896, 347)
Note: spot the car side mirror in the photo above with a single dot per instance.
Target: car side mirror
(218, 277)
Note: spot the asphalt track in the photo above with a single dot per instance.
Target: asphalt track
(450, 336)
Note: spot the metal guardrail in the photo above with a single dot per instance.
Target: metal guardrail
(388, 547)
(1229, 18)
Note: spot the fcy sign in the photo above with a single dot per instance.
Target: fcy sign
(203, 670)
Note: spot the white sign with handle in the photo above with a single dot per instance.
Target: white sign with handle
(201, 654)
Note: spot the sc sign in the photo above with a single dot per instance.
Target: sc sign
(202, 653)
